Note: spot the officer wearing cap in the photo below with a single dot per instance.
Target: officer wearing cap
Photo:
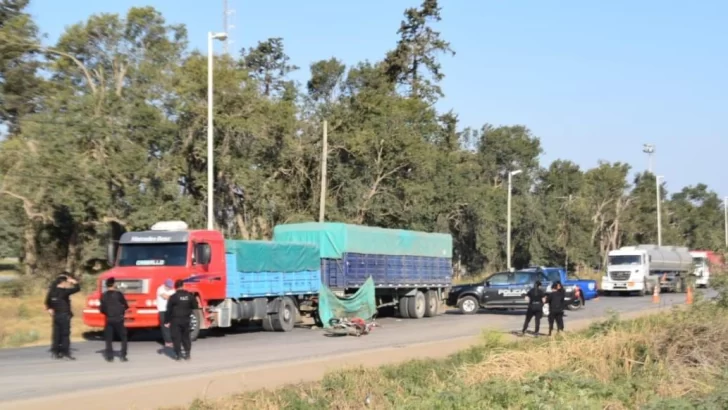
(114, 306)
(179, 309)
(58, 305)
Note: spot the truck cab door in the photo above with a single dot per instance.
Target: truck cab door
(496, 287)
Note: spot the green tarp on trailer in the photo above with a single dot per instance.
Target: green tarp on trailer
(264, 256)
(361, 304)
(336, 239)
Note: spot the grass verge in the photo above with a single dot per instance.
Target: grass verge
(25, 322)
(675, 360)
(23, 318)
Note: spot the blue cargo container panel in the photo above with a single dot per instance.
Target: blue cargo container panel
(261, 284)
(387, 271)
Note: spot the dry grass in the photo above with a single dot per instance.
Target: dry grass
(663, 361)
(25, 322)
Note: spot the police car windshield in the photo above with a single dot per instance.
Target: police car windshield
(553, 276)
(158, 254)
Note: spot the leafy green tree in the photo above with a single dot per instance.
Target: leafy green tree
(413, 63)
(112, 137)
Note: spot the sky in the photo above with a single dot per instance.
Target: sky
(594, 80)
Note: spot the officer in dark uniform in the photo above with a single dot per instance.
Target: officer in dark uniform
(535, 306)
(557, 304)
(58, 305)
(179, 309)
(113, 306)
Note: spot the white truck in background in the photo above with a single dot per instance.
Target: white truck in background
(638, 269)
(703, 261)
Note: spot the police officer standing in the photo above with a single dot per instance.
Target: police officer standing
(179, 309)
(557, 303)
(113, 306)
(535, 306)
(58, 305)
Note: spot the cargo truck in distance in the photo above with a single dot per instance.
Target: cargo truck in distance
(705, 262)
(269, 281)
(639, 269)
(411, 270)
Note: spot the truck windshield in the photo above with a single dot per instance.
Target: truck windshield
(158, 254)
(625, 260)
(699, 261)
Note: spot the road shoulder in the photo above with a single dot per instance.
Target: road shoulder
(181, 391)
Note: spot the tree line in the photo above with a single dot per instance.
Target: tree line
(105, 132)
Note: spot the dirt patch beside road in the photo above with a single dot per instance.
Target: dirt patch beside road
(181, 391)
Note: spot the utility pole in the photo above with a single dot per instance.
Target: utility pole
(210, 140)
(324, 161)
(508, 236)
(649, 149)
(659, 217)
(725, 219)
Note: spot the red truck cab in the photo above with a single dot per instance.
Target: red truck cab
(142, 261)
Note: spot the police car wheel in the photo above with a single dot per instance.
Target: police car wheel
(576, 304)
(468, 305)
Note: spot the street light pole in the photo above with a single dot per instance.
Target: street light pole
(649, 149)
(508, 235)
(210, 141)
(659, 217)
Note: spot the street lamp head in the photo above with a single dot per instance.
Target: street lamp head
(219, 36)
(648, 148)
(516, 172)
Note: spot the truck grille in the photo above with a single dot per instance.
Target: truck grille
(619, 275)
(133, 286)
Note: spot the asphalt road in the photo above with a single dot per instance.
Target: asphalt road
(30, 373)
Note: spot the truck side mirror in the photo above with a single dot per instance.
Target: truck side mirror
(203, 253)
(487, 283)
(111, 254)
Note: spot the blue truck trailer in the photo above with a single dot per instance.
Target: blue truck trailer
(411, 270)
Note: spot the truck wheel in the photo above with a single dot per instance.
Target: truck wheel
(195, 323)
(285, 319)
(468, 305)
(403, 309)
(643, 292)
(432, 305)
(416, 305)
(267, 323)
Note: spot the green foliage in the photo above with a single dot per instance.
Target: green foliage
(113, 138)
